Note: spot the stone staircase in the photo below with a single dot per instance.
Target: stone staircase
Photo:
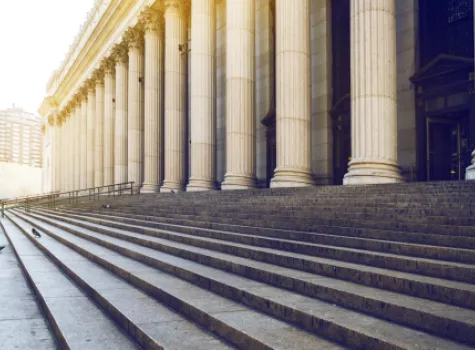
(372, 267)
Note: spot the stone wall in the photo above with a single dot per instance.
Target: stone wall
(19, 180)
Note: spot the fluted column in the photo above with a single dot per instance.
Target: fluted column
(77, 144)
(52, 145)
(293, 94)
(470, 172)
(152, 103)
(109, 121)
(175, 94)
(120, 133)
(240, 84)
(203, 95)
(90, 138)
(66, 146)
(99, 131)
(69, 144)
(135, 108)
(373, 94)
(59, 153)
(83, 144)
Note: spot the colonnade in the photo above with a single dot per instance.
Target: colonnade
(111, 131)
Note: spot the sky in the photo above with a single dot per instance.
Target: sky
(35, 36)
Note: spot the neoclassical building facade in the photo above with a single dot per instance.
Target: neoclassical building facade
(198, 95)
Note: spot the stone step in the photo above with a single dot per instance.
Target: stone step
(364, 299)
(444, 239)
(328, 211)
(199, 305)
(75, 320)
(449, 206)
(466, 256)
(463, 272)
(148, 322)
(354, 329)
(446, 291)
(457, 226)
(20, 312)
(407, 215)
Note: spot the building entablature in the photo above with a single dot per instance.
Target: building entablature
(104, 30)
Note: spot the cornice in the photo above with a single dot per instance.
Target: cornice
(108, 32)
(91, 22)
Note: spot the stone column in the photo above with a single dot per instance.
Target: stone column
(52, 144)
(293, 115)
(152, 103)
(83, 144)
(373, 94)
(109, 121)
(240, 84)
(91, 125)
(470, 172)
(134, 40)
(175, 94)
(59, 152)
(203, 95)
(69, 147)
(77, 142)
(99, 130)
(121, 109)
(66, 150)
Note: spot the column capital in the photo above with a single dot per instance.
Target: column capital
(182, 6)
(108, 65)
(91, 85)
(120, 53)
(53, 118)
(61, 118)
(82, 93)
(98, 76)
(134, 39)
(151, 20)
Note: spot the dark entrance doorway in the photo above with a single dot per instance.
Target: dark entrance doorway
(445, 117)
(448, 147)
(341, 104)
(271, 145)
(341, 121)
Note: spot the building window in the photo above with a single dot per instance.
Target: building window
(446, 28)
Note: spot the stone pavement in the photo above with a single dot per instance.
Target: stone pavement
(22, 325)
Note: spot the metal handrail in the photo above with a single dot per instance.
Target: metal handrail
(70, 196)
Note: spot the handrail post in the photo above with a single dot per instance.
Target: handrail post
(3, 210)
(132, 188)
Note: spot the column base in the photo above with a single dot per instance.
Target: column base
(169, 186)
(238, 182)
(363, 172)
(289, 177)
(470, 171)
(150, 188)
(200, 185)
